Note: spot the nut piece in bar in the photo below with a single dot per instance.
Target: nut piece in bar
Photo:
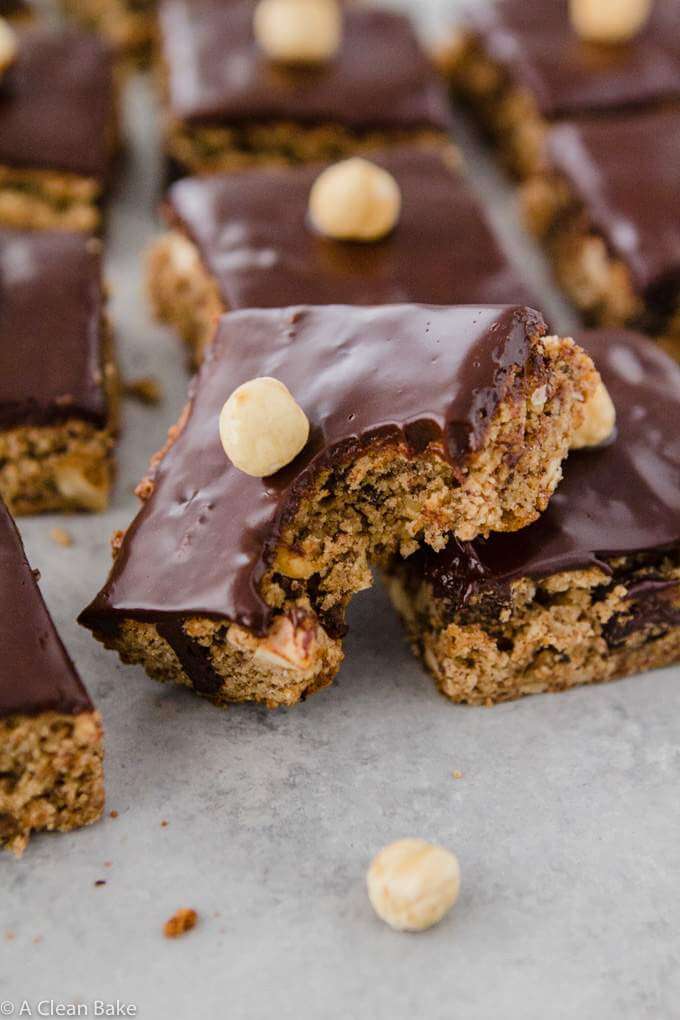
(58, 130)
(51, 745)
(58, 381)
(608, 213)
(591, 591)
(378, 88)
(246, 241)
(424, 422)
(523, 65)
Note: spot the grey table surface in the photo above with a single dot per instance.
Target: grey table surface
(565, 820)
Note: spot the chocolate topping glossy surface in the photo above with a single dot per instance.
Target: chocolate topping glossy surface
(626, 171)
(616, 500)
(36, 674)
(536, 44)
(254, 238)
(57, 103)
(50, 329)
(405, 373)
(216, 72)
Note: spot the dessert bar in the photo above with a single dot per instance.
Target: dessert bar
(129, 25)
(521, 66)
(425, 422)
(589, 592)
(230, 106)
(58, 383)
(58, 130)
(245, 241)
(51, 745)
(608, 212)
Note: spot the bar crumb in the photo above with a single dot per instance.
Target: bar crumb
(61, 536)
(145, 389)
(180, 923)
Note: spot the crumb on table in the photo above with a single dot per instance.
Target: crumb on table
(61, 536)
(180, 923)
(145, 389)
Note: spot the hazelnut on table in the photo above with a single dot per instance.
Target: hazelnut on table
(412, 884)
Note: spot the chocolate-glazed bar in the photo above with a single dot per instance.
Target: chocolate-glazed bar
(57, 130)
(57, 374)
(608, 212)
(425, 421)
(589, 592)
(128, 25)
(245, 241)
(50, 733)
(378, 89)
(522, 67)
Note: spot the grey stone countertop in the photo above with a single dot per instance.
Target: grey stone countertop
(566, 818)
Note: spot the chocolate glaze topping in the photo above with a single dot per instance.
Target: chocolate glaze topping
(402, 373)
(626, 171)
(36, 674)
(254, 238)
(216, 72)
(50, 329)
(536, 44)
(57, 103)
(620, 499)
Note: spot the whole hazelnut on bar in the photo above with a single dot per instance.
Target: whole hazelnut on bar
(8, 46)
(262, 428)
(599, 420)
(355, 201)
(609, 21)
(412, 884)
(298, 31)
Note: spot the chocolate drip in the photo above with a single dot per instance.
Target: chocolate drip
(364, 376)
(36, 673)
(57, 103)
(536, 44)
(51, 310)
(251, 230)
(620, 499)
(193, 657)
(217, 73)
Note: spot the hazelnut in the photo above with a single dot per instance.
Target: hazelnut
(262, 428)
(412, 884)
(298, 31)
(609, 21)
(598, 422)
(355, 201)
(8, 45)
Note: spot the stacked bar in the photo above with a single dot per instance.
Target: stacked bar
(591, 591)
